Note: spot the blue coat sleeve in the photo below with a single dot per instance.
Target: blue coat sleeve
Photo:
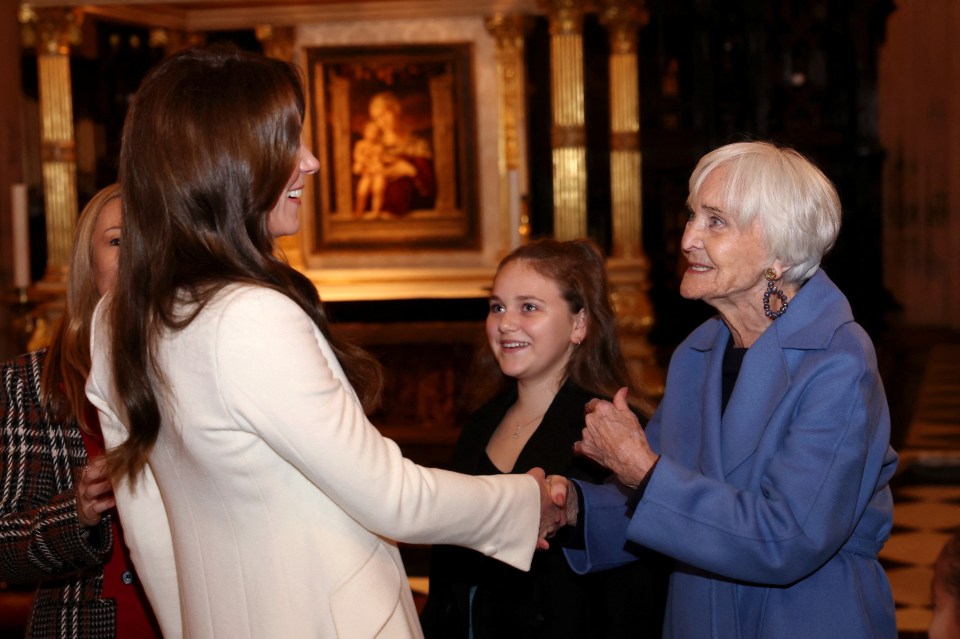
(604, 523)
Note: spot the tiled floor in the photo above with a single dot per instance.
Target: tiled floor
(926, 490)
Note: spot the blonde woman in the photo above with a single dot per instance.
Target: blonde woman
(55, 521)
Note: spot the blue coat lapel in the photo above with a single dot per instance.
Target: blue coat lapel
(761, 386)
(709, 344)
(814, 316)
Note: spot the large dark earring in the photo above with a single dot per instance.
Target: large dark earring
(772, 289)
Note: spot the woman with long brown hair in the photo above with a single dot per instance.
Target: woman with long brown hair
(261, 501)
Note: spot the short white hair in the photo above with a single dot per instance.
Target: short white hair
(795, 204)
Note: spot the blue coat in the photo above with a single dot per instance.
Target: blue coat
(776, 511)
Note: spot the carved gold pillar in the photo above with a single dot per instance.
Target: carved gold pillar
(628, 267)
(279, 43)
(622, 19)
(52, 31)
(508, 33)
(568, 136)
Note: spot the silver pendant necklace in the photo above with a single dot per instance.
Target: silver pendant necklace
(516, 434)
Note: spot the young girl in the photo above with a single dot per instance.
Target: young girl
(945, 623)
(553, 346)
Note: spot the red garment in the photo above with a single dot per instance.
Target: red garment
(135, 619)
(405, 194)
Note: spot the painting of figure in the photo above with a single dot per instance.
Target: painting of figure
(396, 149)
(397, 164)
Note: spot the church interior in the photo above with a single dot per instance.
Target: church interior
(561, 118)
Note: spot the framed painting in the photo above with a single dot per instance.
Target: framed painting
(394, 130)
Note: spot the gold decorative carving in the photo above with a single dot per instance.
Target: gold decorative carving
(508, 33)
(59, 151)
(52, 32)
(567, 137)
(629, 266)
(569, 151)
(623, 18)
(566, 16)
(624, 141)
(629, 283)
(569, 193)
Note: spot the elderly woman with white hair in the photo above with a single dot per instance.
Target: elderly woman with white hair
(764, 472)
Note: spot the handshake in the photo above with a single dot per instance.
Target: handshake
(558, 505)
(613, 438)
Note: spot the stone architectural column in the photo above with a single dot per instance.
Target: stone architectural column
(568, 133)
(628, 267)
(53, 31)
(508, 33)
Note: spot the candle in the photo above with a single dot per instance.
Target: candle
(21, 236)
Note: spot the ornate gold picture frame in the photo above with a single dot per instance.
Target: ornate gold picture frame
(394, 130)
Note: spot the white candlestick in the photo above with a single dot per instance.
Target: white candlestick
(21, 236)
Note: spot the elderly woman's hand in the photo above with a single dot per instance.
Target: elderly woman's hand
(613, 437)
(564, 495)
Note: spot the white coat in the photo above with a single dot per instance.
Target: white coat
(270, 504)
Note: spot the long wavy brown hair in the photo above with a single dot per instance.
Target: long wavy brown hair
(209, 143)
(67, 361)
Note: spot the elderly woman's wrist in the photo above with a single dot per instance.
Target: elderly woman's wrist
(637, 480)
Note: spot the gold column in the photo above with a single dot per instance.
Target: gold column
(279, 43)
(508, 33)
(568, 134)
(622, 19)
(629, 267)
(52, 31)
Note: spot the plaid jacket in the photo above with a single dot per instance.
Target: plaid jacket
(40, 535)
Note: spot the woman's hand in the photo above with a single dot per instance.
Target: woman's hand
(94, 493)
(551, 515)
(613, 438)
(565, 496)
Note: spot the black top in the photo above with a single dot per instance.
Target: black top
(732, 361)
(550, 601)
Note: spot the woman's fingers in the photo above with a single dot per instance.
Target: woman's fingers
(94, 493)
